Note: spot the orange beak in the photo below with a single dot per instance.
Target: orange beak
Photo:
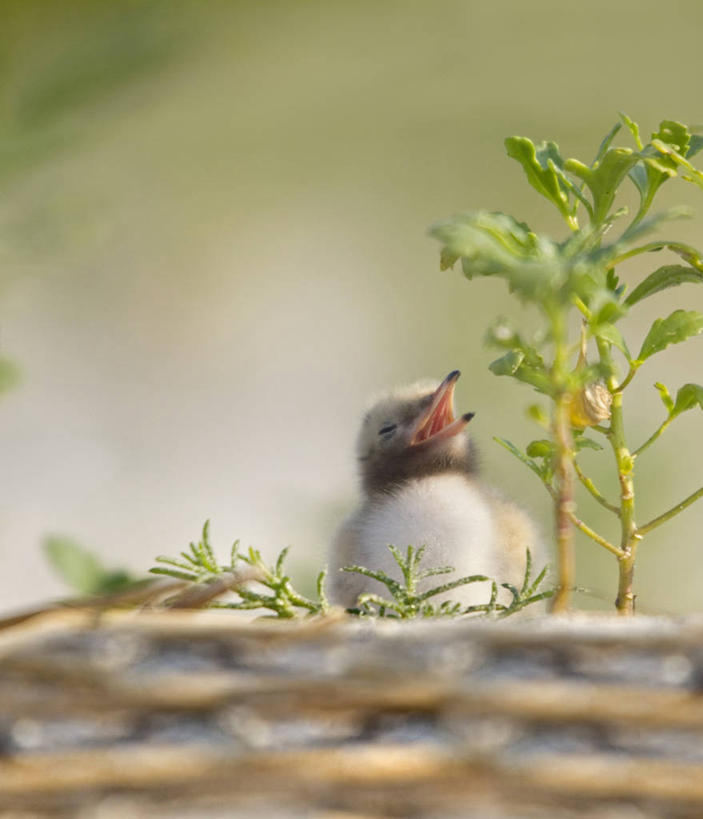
(438, 423)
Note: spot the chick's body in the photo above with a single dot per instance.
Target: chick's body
(420, 487)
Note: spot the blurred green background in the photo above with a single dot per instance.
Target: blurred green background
(213, 249)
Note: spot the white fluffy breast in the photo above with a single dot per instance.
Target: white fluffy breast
(447, 514)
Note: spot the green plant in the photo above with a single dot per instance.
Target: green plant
(199, 566)
(579, 297)
(407, 602)
(80, 569)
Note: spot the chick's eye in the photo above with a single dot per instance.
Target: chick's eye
(387, 429)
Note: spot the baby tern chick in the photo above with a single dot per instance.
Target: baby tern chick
(420, 486)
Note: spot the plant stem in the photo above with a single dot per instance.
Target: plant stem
(564, 503)
(563, 473)
(588, 483)
(630, 375)
(583, 527)
(625, 601)
(642, 530)
(629, 536)
(652, 438)
(581, 307)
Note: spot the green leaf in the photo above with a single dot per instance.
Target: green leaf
(633, 128)
(78, 567)
(278, 570)
(513, 364)
(507, 364)
(677, 327)
(570, 187)
(542, 177)
(695, 145)
(179, 564)
(447, 260)
(454, 584)
(491, 242)
(665, 396)
(116, 581)
(549, 158)
(393, 585)
(606, 309)
(687, 253)
(612, 282)
(670, 275)
(673, 156)
(688, 397)
(607, 142)
(540, 449)
(9, 374)
(494, 244)
(675, 134)
(610, 333)
(656, 165)
(581, 442)
(546, 153)
(604, 178)
(640, 175)
(209, 559)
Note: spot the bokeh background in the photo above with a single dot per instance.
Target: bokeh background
(213, 248)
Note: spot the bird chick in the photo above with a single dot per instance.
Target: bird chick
(420, 486)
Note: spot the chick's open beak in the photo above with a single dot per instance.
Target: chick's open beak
(438, 422)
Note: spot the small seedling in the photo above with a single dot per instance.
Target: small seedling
(573, 285)
(199, 565)
(406, 601)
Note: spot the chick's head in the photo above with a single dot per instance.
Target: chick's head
(411, 432)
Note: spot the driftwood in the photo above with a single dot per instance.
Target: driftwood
(186, 714)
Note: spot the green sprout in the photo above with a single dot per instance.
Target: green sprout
(573, 285)
(406, 601)
(199, 566)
